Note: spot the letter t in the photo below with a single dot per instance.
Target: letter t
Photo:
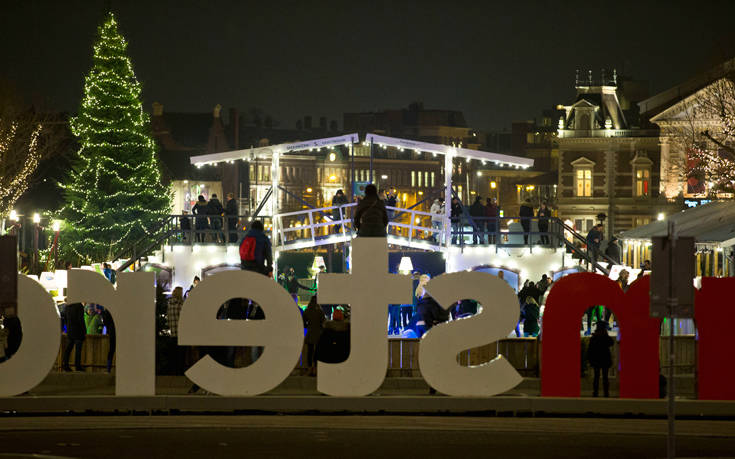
(368, 290)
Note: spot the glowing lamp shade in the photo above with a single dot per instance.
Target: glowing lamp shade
(493, 185)
(405, 266)
(332, 156)
(661, 217)
(36, 218)
(56, 225)
(318, 263)
(14, 215)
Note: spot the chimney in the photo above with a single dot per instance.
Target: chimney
(235, 125)
(307, 122)
(333, 126)
(157, 109)
(299, 125)
(323, 123)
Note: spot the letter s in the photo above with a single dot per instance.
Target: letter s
(440, 345)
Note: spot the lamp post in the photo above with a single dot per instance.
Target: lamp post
(36, 228)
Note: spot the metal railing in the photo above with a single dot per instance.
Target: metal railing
(412, 228)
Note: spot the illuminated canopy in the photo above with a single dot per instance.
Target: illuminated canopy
(348, 139)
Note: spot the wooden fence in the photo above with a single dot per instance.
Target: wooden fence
(403, 355)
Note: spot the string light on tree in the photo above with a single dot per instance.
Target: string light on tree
(114, 195)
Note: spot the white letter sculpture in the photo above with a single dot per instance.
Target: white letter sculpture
(133, 308)
(39, 347)
(440, 345)
(281, 333)
(368, 290)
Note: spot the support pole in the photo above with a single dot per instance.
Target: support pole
(371, 162)
(448, 160)
(275, 168)
(671, 438)
(352, 172)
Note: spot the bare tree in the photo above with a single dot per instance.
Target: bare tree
(705, 132)
(26, 138)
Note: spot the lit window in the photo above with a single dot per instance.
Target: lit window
(583, 180)
(432, 179)
(419, 174)
(413, 178)
(642, 182)
(426, 178)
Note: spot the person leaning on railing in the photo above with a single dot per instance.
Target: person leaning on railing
(371, 218)
(491, 212)
(338, 200)
(231, 212)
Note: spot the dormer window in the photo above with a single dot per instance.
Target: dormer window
(641, 175)
(583, 178)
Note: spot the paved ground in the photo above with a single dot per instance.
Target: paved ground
(357, 436)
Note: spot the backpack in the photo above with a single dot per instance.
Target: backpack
(372, 218)
(247, 248)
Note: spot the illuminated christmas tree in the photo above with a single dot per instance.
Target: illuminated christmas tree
(114, 195)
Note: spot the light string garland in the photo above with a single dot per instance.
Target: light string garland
(114, 194)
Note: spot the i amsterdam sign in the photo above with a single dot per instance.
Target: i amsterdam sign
(369, 289)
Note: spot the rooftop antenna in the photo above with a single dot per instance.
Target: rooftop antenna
(576, 78)
(615, 77)
(589, 77)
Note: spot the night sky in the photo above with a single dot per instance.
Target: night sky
(495, 61)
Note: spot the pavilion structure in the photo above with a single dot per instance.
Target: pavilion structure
(415, 232)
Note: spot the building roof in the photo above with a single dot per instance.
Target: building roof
(709, 224)
(663, 100)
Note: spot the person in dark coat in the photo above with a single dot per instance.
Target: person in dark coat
(531, 313)
(456, 218)
(492, 212)
(613, 250)
(76, 331)
(526, 213)
(215, 211)
(600, 358)
(338, 200)
(201, 224)
(477, 212)
(429, 311)
(14, 331)
(292, 284)
(314, 319)
(543, 214)
(109, 324)
(371, 218)
(231, 212)
(185, 224)
(262, 253)
(594, 238)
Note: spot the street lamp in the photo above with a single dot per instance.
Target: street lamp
(14, 215)
(36, 227)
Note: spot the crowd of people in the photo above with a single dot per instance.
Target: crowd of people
(327, 326)
(208, 220)
(80, 320)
